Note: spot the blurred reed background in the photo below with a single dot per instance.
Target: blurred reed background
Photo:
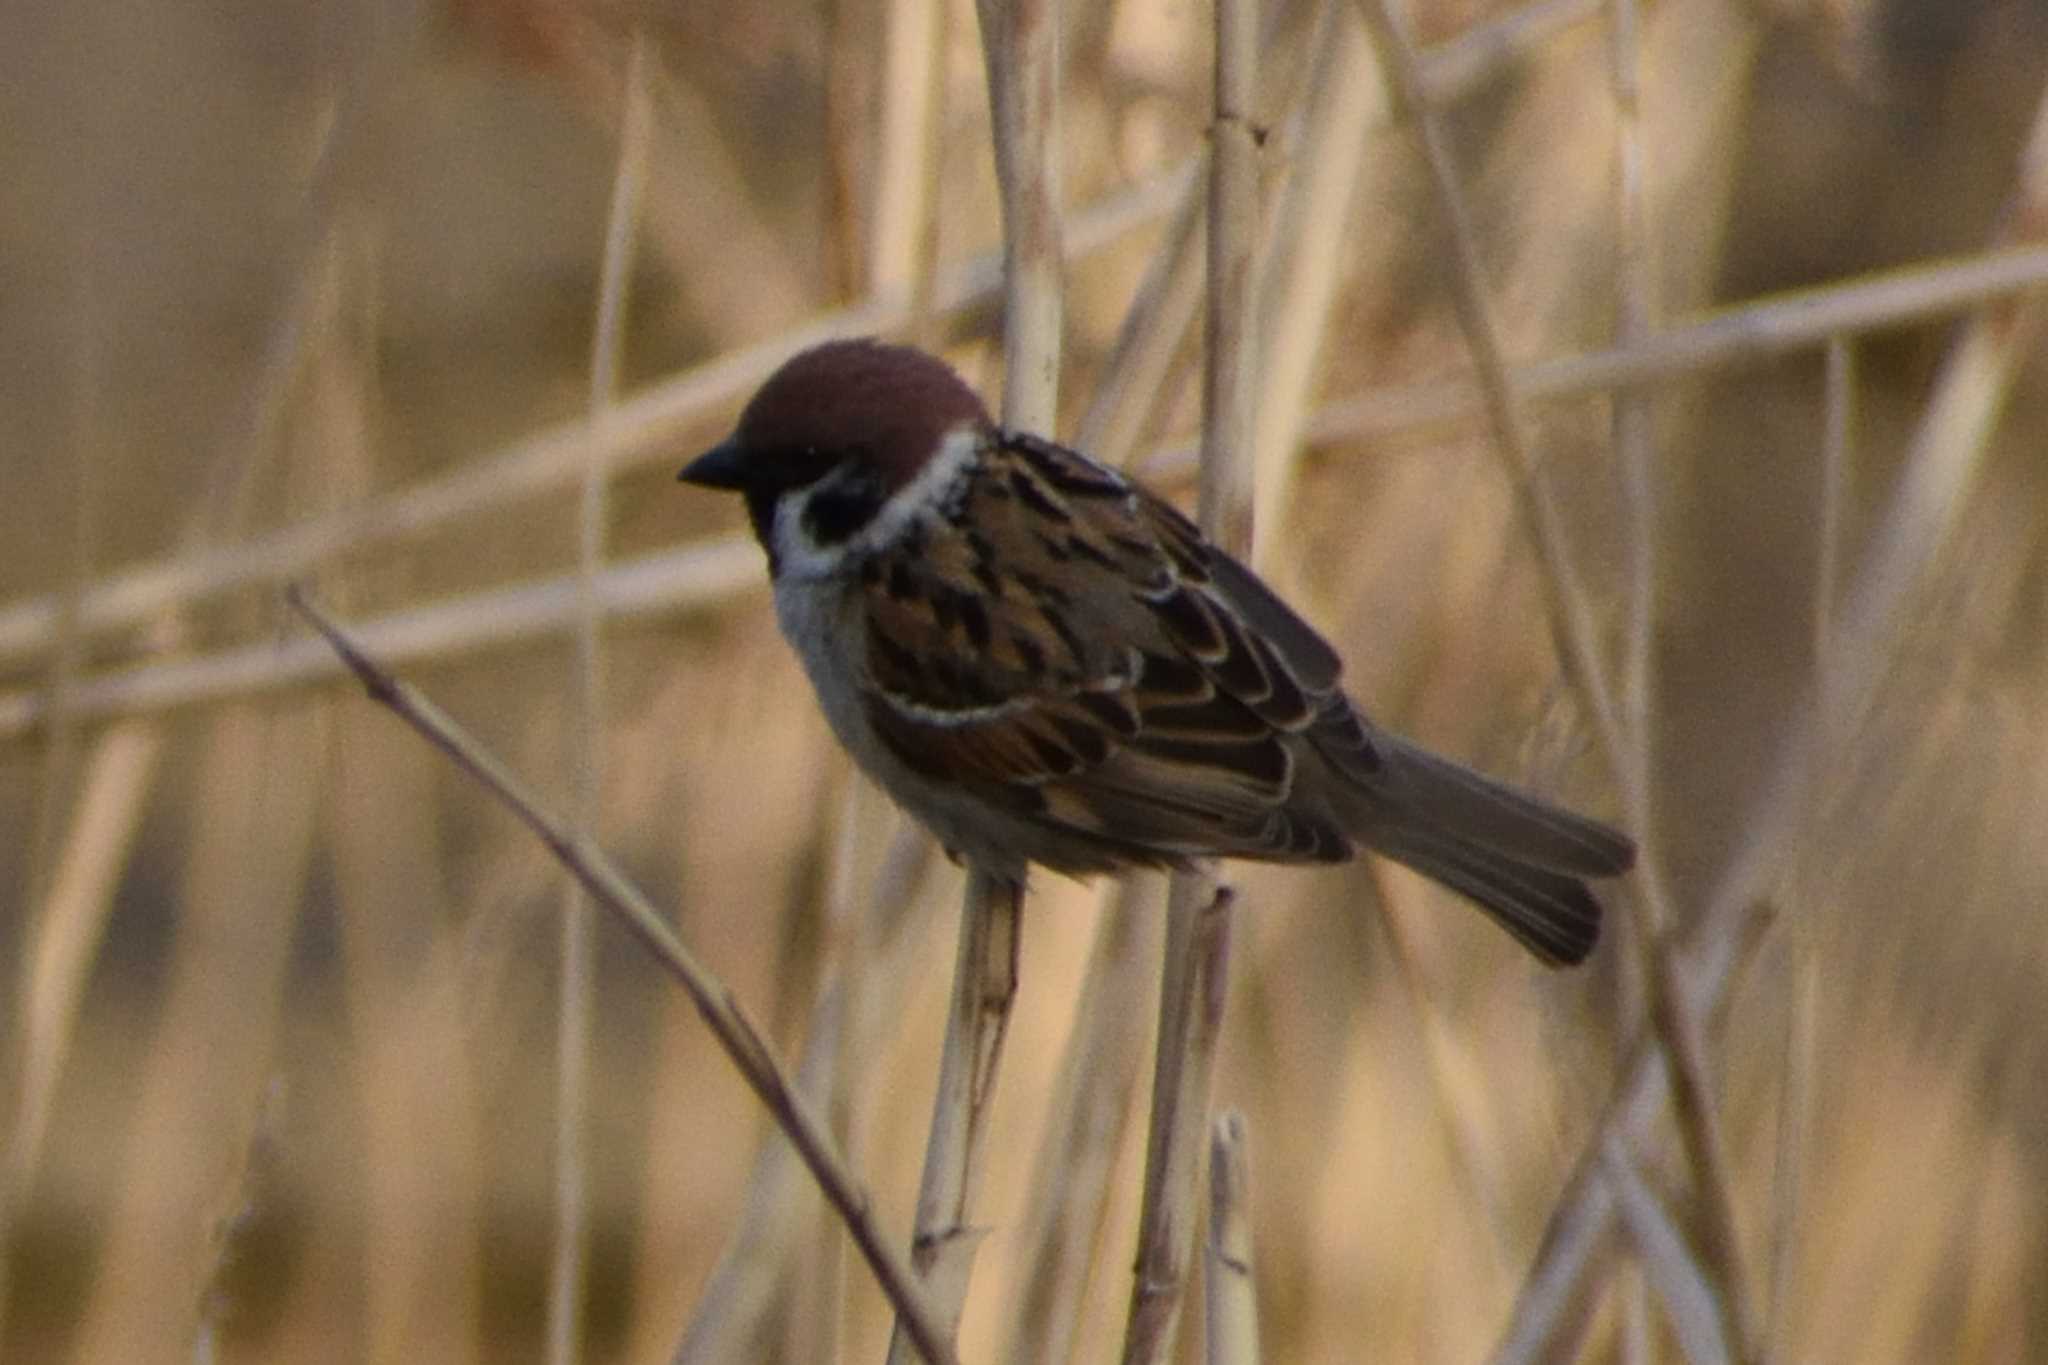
(322, 292)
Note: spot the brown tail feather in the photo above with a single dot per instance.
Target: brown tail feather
(1550, 913)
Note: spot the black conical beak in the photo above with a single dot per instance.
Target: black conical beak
(722, 466)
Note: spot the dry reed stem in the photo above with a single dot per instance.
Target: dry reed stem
(761, 1260)
(1021, 55)
(1947, 453)
(1467, 1137)
(745, 1296)
(647, 426)
(903, 246)
(64, 931)
(1230, 1292)
(212, 1050)
(1080, 1143)
(1791, 1143)
(1691, 1299)
(1069, 1201)
(1571, 618)
(1576, 638)
(1195, 972)
(1084, 1130)
(578, 990)
(1939, 473)
(1556, 1295)
(716, 569)
(78, 881)
(400, 966)
(1230, 377)
(1632, 435)
(1134, 378)
(1191, 994)
(711, 571)
(1310, 248)
(1460, 66)
(1632, 431)
(710, 198)
(945, 1236)
(720, 1009)
(1726, 338)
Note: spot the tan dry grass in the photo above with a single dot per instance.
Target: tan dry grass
(282, 1076)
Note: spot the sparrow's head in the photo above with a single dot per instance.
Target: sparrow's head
(846, 426)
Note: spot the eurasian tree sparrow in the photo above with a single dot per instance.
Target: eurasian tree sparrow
(1046, 663)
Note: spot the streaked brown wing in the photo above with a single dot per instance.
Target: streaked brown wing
(1148, 716)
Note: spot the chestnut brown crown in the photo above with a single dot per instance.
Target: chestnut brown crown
(884, 407)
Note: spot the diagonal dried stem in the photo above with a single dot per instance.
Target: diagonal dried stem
(647, 425)
(1576, 636)
(717, 1005)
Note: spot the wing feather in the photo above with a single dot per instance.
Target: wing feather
(1150, 715)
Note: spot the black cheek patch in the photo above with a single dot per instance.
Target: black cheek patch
(841, 505)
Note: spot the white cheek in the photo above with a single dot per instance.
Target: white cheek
(798, 556)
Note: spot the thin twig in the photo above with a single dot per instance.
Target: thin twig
(717, 1005)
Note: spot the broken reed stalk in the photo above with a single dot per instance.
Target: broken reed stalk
(1230, 1294)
